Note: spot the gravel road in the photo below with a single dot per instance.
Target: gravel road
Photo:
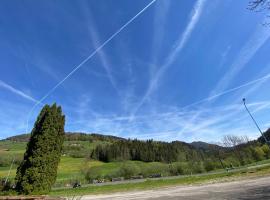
(255, 189)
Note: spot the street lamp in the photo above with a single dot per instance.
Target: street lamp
(267, 142)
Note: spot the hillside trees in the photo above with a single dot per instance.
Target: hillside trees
(38, 170)
(147, 151)
(235, 142)
(258, 154)
(236, 150)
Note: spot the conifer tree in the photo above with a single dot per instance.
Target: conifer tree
(38, 170)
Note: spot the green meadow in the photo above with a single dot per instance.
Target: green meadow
(76, 165)
(70, 169)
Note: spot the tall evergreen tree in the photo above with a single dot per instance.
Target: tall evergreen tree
(38, 170)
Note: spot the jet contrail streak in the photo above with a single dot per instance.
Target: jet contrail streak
(86, 59)
(228, 91)
(16, 91)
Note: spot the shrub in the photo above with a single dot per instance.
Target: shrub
(209, 165)
(92, 174)
(258, 153)
(154, 168)
(176, 169)
(266, 150)
(5, 186)
(128, 170)
(196, 167)
(231, 162)
(4, 162)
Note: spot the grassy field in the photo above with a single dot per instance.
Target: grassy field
(70, 168)
(73, 169)
(151, 184)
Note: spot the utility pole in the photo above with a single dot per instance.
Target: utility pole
(267, 142)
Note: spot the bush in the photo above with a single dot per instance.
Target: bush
(154, 168)
(209, 165)
(231, 162)
(128, 170)
(92, 174)
(258, 154)
(4, 162)
(195, 167)
(266, 150)
(111, 175)
(5, 186)
(176, 169)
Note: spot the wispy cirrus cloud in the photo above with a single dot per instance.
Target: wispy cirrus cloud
(228, 91)
(251, 85)
(176, 124)
(248, 51)
(16, 91)
(177, 48)
(159, 26)
(36, 57)
(11, 110)
(92, 30)
(103, 58)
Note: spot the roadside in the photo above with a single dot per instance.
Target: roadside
(220, 171)
(255, 189)
(249, 172)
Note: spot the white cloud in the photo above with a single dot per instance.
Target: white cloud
(16, 91)
(248, 51)
(178, 46)
(103, 57)
(225, 92)
(160, 21)
(210, 125)
(12, 118)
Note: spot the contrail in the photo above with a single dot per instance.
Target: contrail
(16, 91)
(88, 58)
(180, 44)
(228, 91)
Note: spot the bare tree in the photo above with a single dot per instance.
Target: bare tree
(218, 151)
(260, 6)
(234, 142)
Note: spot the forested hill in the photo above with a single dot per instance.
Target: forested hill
(78, 136)
(72, 136)
(92, 137)
(236, 150)
(111, 148)
(266, 134)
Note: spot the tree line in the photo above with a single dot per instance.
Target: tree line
(148, 151)
(235, 150)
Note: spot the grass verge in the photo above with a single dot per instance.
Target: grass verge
(151, 184)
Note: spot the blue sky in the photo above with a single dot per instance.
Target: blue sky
(176, 72)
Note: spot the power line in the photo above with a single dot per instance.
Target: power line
(77, 67)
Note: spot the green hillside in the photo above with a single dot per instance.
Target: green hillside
(77, 148)
(79, 163)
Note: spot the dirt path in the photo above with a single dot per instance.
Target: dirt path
(254, 189)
